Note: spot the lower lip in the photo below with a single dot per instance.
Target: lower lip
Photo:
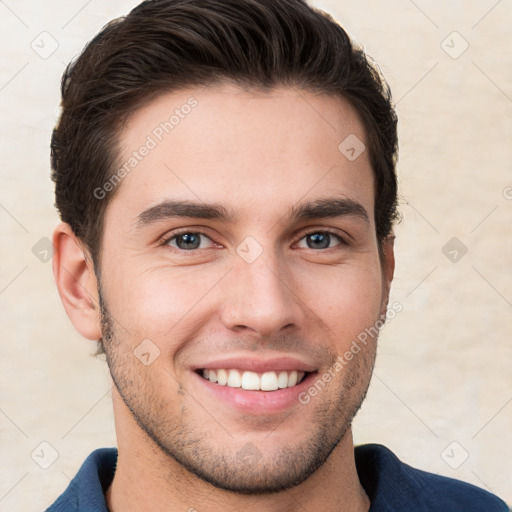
(257, 402)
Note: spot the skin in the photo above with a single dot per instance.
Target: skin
(258, 154)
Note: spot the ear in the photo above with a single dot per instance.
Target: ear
(388, 268)
(76, 281)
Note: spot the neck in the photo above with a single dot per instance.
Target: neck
(148, 479)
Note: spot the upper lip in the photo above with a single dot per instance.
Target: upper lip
(258, 365)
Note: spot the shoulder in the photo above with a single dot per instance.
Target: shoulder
(394, 485)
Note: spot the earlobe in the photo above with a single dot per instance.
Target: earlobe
(76, 282)
(389, 258)
(388, 268)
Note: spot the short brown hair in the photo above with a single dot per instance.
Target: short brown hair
(168, 45)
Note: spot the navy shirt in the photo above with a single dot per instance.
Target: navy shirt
(391, 485)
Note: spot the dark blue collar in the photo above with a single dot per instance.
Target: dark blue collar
(86, 492)
(391, 485)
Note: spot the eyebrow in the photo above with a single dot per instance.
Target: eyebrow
(329, 208)
(318, 209)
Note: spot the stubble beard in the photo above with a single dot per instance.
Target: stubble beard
(252, 473)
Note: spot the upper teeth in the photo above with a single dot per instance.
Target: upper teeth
(268, 381)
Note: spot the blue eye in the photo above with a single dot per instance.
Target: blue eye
(191, 241)
(321, 240)
(187, 241)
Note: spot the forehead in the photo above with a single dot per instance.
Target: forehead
(251, 151)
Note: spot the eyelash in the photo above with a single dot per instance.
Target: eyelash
(167, 239)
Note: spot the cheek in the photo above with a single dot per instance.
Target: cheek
(348, 300)
(159, 303)
(166, 303)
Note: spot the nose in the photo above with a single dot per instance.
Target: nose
(260, 297)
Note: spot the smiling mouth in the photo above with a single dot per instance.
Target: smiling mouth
(253, 381)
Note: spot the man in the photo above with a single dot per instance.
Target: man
(225, 173)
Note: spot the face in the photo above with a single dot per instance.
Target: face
(239, 263)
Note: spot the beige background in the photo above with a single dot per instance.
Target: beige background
(444, 370)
